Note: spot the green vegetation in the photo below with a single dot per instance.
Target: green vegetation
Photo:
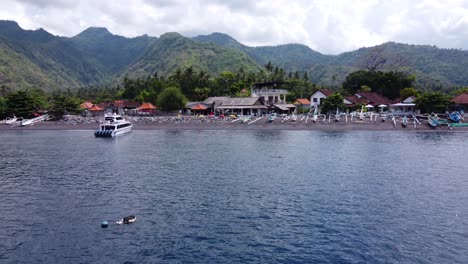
(388, 84)
(22, 104)
(95, 57)
(63, 104)
(331, 103)
(436, 102)
(171, 99)
(407, 92)
(99, 66)
(3, 107)
(172, 92)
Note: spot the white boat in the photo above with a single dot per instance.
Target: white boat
(28, 122)
(293, 118)
(11, 120)
(113, 126)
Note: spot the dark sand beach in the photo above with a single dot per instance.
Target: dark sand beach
(193, 123)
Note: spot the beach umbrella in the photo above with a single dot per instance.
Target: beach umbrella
(369, 106)
(382, 106)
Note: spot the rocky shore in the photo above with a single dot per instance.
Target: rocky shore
(206, 123)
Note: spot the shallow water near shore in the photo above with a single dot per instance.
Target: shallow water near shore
(234, 197)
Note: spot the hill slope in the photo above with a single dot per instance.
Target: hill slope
(113, 52)
(35, 58)
(55, 60)
(429, 64)
(172, 51)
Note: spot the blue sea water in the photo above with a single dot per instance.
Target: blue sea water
(234, 197)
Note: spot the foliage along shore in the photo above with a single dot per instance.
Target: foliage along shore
(173, 92)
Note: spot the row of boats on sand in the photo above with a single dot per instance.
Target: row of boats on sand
(432, 121)
(19, 121)
(113, 125)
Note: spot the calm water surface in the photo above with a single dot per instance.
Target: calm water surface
(234, 197)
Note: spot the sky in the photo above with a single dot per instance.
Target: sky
(329, 27)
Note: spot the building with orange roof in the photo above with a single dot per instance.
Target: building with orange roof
(302, 104)
(461, 102)
(86, 105)
(96, 110)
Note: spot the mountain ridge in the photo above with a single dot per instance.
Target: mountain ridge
(95, 56)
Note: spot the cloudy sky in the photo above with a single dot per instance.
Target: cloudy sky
(329, 27)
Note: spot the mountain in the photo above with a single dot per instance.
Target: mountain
(430, 64)
(113, 52)
(172, 51)
(36, 58)
(290, 56)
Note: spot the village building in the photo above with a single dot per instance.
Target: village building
(215, 101)
(373, 98)
(270, 92)
(243, 106)
(96, 111)
(409, 100)
(199, 108)
(354, 101)
(317, 97)
(461, 102)
(120, 107)
(145, 109)
(405, 107)
(303, 105)
(283, 108)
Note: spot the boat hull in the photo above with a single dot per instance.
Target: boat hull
(112, 133)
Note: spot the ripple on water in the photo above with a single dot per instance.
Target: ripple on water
(243, 196)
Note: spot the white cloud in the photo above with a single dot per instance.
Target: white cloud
(326, 26)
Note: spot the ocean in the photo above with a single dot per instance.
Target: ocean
(234, 197)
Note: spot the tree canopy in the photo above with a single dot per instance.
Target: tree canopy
(171, 99)
(388, 84)
(331, 103)
(433, 102)
(22, 104)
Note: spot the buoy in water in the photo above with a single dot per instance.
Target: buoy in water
(104, 224)
(127, 220)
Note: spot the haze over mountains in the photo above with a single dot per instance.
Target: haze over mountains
(36, 58)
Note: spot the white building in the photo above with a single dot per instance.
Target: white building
(269, 92)
(317, 97)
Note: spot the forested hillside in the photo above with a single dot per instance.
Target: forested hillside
(96, 57)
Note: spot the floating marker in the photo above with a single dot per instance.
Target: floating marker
(104, 224)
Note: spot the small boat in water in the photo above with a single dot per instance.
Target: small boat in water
(113, 126)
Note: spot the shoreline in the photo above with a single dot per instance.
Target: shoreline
(260, 125)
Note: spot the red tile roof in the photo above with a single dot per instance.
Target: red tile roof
(96, 108)
(375, 98)
(302, 101)
(461, 99)
(86, 105)
(119, 103)
(326, 92)
(356, 100)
